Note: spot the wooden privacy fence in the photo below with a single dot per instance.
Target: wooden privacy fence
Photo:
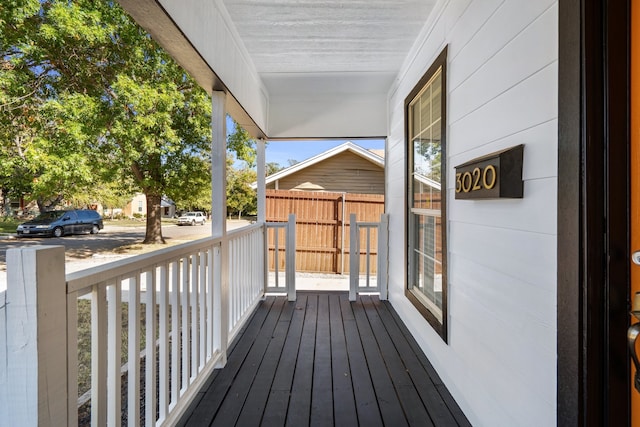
(323, 228)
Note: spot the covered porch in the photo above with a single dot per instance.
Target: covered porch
(198, 335)
(324, 360)
(444, 82)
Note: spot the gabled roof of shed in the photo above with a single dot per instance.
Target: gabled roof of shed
(346, 147)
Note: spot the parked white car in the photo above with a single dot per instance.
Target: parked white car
(192, 218)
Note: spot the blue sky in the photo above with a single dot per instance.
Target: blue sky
(281, 151)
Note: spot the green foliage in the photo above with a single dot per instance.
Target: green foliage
(241, 143)
(272, 167)
(93, 110)
(241, 198)
(88, 99)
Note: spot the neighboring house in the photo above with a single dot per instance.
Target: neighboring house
(168, 208)
(138, 206)
(323, 191)
(347, 168)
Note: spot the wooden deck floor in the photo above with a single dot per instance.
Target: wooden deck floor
(324, 361)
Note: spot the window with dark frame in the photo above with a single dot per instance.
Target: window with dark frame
(426, 218)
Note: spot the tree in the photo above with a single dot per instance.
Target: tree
(89, 98)
(272, 167)
(111, 105)
(241, 198)
(240, 142)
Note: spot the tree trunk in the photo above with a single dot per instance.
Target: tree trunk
(154, 220)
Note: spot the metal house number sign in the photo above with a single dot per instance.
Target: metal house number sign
(494, 176)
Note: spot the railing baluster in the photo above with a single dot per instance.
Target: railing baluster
(194, 317)
(276, 232)
(186, 304)
(163, 308)
(221, 307)
(150, 355)
(114, 345)
(354, 257)
(72, 358)
(210, 348)
(234, 292)
(175, 333)
(368, 263)
(203, 308)
(98, 356)
(133, 357)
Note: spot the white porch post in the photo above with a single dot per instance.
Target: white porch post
(262, 207)
(219, 221)
(262, 198)
(34, 390)
(354, 257)
(383, 256)
(290, 251)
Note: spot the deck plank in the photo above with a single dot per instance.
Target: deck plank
(429, 393)
(231, 408)
(453, 407)
(324, 360)
(322, 387)
(259, 392)
(207, 407)
(413, 406)
(299, 409)
(275, 413)
(344, 407)
(365, 397)
(388, 401)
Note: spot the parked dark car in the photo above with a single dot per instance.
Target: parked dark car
(60, 223)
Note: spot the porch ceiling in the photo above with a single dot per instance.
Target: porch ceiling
(299, 68)
(339, 36)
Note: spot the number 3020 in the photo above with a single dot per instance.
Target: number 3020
(477, 179)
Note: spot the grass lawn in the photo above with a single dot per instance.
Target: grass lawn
(8, 225)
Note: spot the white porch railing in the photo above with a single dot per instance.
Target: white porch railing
(183, 306)
(355, 282)
(289, 229)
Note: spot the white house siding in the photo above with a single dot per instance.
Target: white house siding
(500, 360)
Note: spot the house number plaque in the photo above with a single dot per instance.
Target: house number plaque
(494, 176)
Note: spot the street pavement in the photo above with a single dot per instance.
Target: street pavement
(88, 250)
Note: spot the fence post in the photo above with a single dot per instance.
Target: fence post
(383, 256)
(290, 252)
(354, 257)
(36, 390)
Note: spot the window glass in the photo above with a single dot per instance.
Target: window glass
(426, 239)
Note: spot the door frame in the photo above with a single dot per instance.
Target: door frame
(593, 213)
